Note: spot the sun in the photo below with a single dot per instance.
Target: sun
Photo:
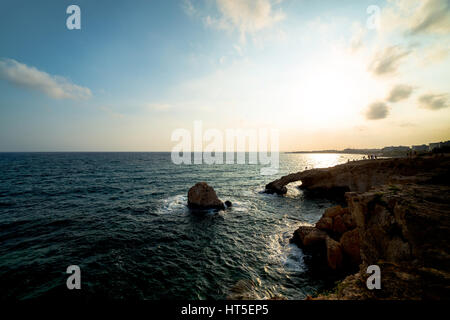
(332, 90)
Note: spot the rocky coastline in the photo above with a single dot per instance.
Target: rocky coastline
(397, 216)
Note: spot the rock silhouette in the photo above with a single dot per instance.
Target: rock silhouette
(203, 197)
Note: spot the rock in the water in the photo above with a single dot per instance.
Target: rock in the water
(325, 223)
(228, 203)
(300, 235)
(325, 240)
(336, 220)
(203, 197)
(314, 238)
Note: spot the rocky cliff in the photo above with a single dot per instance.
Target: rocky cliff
(360, 176)
(397, 217)
(405, 230)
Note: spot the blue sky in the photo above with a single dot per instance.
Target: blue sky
(137, 70)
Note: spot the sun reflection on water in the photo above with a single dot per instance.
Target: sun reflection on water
(323, 160)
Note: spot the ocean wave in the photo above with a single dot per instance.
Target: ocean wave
(173, 203)
(123, 230)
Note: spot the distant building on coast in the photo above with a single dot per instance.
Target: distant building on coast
(421, 148)
(392, 151)
(439, 145)
(395, 151)
(435, 145)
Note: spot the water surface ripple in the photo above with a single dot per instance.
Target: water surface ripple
(122, 218)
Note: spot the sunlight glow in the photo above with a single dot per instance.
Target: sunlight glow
(332, 91)
(322, 160)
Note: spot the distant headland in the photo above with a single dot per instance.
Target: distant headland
(391, 151)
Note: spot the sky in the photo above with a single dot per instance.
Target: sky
(325, 74)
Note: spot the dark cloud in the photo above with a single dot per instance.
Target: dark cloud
(434, 101)
(388, 60)
(400, 92)
(377, 111)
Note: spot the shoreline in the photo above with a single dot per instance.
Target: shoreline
(397, 217)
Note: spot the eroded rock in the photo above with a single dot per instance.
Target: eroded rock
(203, 197)
(402, 225)
(361, 176)
(339, 226)
(300, 234)
(325, 223)
(334, 254)
(315, 237)
(350, 246)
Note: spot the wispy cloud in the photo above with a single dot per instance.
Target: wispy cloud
(433, 16)
(56, 87)
(414, 17)
(412, 34)
(388, 60)
(400, 92)
(188, 7)
(434, 101)
(247, 17)
(377, 111)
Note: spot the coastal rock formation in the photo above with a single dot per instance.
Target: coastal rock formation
(334, 254)
(402, 227)
(307, 237)
(351, 246)
(360, 176)
(404, 224)
(332, 241)
(404, 230)
(203, 197)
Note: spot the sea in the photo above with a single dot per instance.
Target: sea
(122, 218)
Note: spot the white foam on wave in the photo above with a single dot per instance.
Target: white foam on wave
(294, 259)
(174, 203)
(179, 203)
(289, 256)
(292, 189)
(240, 206)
